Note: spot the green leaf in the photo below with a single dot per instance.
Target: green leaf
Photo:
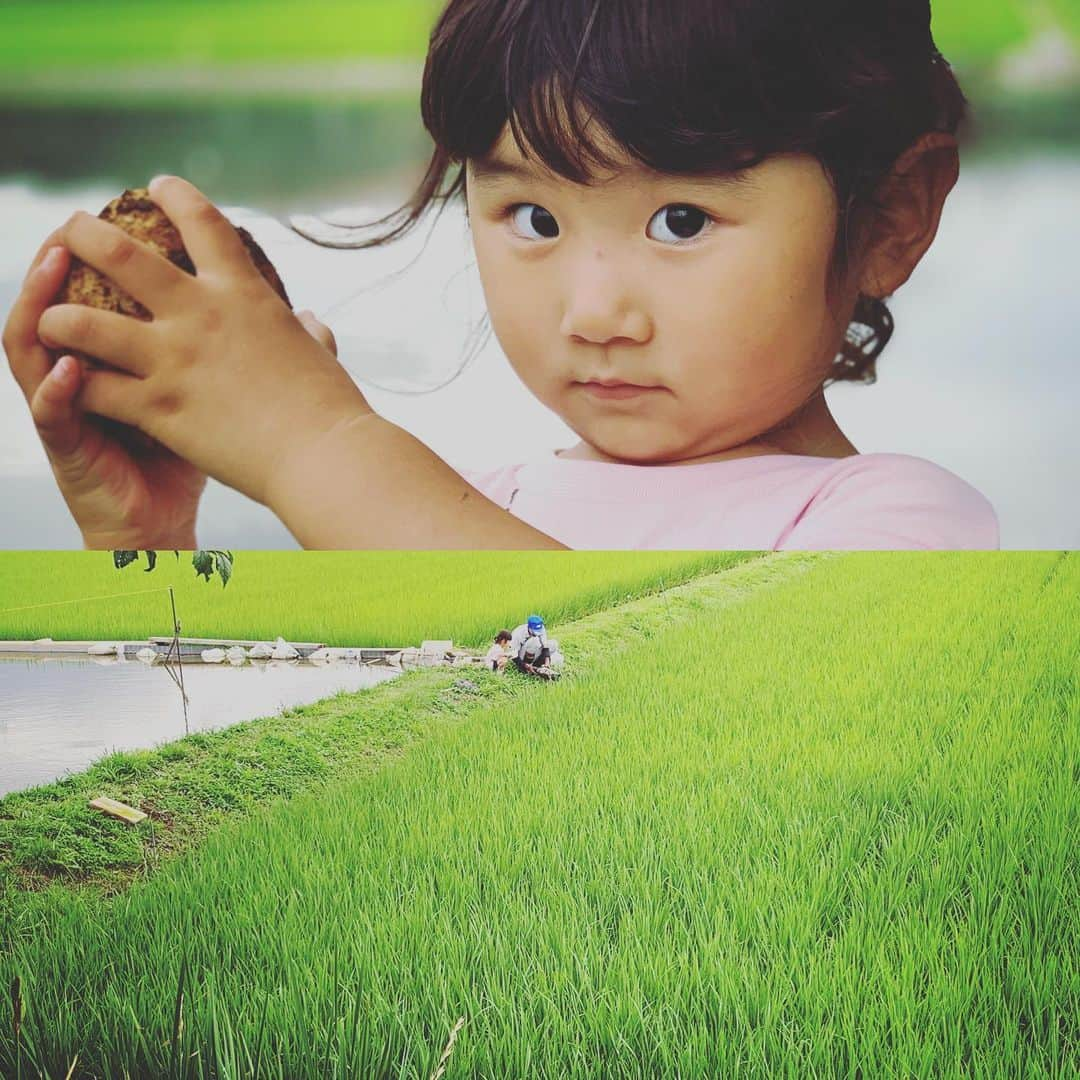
(203, 561)
(124, 558)
(223, 562)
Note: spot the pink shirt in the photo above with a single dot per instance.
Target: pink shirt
(773, 502)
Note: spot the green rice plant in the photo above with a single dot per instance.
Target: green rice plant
(829, 831)
(370, 598)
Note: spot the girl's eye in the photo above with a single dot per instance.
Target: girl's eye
(529, 215)
(679, 222)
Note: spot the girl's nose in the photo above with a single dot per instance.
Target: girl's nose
(600, 307)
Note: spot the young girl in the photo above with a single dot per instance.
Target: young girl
(686, 219)
(499, 652)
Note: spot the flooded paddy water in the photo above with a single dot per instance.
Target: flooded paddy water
(60, 714)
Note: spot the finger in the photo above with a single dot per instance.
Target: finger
(54, 239)
(69, 440)
(28, 359)
(134, 266)
(120, 340)
(209, 237)
(114, 395)
(58, 420)
(322, 334)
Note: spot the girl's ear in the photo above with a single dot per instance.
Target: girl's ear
(911, 198)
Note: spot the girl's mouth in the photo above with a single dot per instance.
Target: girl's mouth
(616, 391)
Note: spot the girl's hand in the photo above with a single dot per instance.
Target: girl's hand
(122, 494)
(225, 376)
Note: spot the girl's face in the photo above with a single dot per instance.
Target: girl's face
(708, 296)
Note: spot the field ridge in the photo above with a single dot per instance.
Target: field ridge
(48, 834)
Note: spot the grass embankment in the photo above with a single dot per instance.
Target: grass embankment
(190, 785)
(827, 831)
(117, 32)
(371, 598)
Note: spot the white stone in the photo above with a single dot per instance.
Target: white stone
(284, 651)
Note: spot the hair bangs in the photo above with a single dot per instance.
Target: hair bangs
(601, 81)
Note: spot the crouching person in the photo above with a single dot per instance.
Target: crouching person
(529, 647)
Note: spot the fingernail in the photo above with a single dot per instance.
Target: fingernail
(51, 258)
(63, 368)
(157, 180)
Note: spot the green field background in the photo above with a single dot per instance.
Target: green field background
(370, 598)
(41, 33)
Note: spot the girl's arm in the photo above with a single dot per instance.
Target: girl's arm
(368, 483)
(225, 373)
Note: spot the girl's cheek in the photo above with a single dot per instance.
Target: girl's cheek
(518, 304)
(514, 324)
(778, 287)
(508, 313)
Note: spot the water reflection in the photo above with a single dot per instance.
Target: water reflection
(59, 715)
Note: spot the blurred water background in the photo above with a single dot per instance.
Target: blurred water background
(313, 111)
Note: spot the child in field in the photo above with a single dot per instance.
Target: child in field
(687, 219)
(499, 652)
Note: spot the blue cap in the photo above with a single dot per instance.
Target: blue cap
(535, 622)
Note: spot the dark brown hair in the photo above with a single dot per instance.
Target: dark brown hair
(504, 635)
(690, 86)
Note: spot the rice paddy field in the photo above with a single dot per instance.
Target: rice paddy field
(822, 825)
(107, 32)
(369, 598)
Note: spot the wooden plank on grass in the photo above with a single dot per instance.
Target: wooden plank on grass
(118, 810)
